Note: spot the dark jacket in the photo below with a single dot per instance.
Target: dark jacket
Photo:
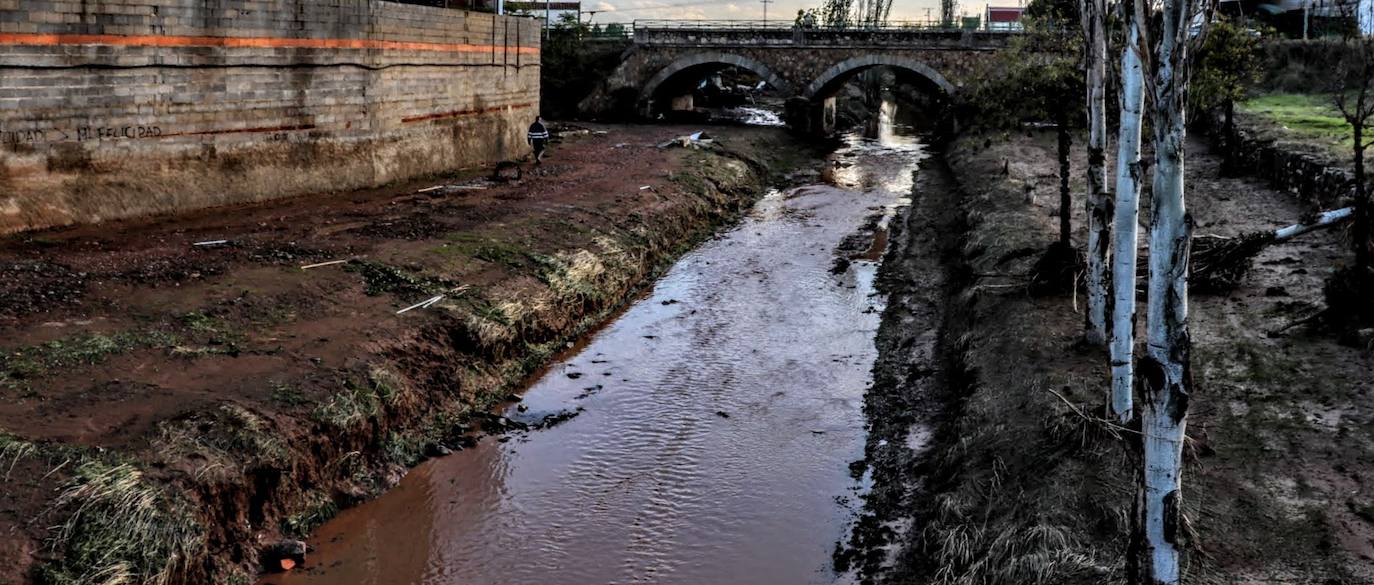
(538, 133)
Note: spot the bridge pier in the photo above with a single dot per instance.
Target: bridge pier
(811, 117)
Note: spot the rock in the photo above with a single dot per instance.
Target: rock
(1363, 338)
(437, 450)
(1276, 291)
(574, 375)
(283, 556)
(507, 171)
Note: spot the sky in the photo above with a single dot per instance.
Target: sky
(628, 10)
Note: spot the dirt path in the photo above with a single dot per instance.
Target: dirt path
(240, 397)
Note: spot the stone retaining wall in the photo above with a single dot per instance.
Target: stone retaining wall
(120, 108)
(1313, 178)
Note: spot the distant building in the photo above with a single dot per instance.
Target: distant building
(1004, 18)
(1306, 18)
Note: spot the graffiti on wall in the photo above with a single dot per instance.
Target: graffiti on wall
(79, 134)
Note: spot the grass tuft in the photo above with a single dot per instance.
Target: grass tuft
(122, 531)
(364, 400)
(318, 510)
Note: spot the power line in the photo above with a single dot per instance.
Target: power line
(765, 4)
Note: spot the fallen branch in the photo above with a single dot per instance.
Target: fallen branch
(430, 302)
(1323, 220)
(323, 264)
(1219, 264)
(422, 304)
(1300, 322)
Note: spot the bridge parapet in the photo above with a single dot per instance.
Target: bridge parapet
(694, 33)
(806, 66)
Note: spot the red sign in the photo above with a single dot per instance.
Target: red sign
(1011, 14)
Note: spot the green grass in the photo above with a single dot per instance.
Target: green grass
(283, 393)
(318, 510)
(36, 361)
(1312, 116)
(386, 279)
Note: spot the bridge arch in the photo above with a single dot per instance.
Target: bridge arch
(829, 81)
(702, 59)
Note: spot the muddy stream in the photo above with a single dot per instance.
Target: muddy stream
(716, 420)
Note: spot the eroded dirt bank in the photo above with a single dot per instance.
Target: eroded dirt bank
(170, 408)
(1018, 488)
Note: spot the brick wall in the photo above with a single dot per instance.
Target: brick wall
(121, 108)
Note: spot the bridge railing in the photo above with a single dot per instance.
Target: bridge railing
(717, 33)
(787, 25)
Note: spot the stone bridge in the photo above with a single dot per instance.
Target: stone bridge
(807, 66)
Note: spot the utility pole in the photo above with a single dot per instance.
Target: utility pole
(948, 12)
(765, 4)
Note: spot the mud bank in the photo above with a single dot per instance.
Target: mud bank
(911, 375)
(173, 407)
(1016, 487)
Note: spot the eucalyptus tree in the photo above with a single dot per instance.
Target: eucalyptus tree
(1126, 220)
(1164, 372)
(1093, 16)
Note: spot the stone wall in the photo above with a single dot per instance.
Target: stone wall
(120, 108)
(1314, 177)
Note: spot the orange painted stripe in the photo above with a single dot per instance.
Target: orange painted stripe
(463, 113)
(246, 42)
(240, 131)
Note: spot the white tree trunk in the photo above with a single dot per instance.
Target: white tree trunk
(1127, 225)
(1099, 202)
(1324, 220)
(1165, 375)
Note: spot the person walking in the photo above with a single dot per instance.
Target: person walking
(538, 137)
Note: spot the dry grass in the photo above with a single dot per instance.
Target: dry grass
(122, 531)
(364, 399)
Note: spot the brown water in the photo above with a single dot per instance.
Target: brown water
(719, 417)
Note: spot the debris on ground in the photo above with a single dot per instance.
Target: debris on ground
(323, 264)
(283, 556)
(507, 172)
(695, 140)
